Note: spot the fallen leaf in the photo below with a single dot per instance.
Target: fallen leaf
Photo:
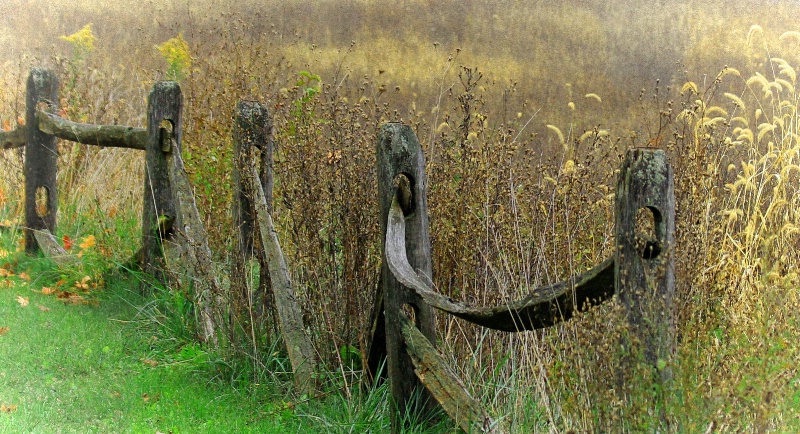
(23, 301)
(71, 298)
(47, 290)
(3, 330)
(149, 362)
(43, 308)
(24, 276)
(148, 398)
(84, 283)
(7, 408)
(6, 273)
(88, 242)
(67, 242)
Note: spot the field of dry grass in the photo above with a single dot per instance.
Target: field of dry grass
(524, 110)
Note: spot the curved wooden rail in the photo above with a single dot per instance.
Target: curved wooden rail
(543, 307)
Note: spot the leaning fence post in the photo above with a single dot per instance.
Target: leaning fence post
(645, 227)
(252, 126)
(41, 157)
(164, 124)
(399, 153)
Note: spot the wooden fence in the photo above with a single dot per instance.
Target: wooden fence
(174, 246)
(640, 272)
(174, 240)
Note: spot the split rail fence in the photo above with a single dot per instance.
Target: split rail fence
(640, 273)
(174, 246)
(174, 240)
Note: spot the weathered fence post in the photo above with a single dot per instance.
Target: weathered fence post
(164, 123)
(252, 127)
(41, 157)
(645, 227)
(399, 153)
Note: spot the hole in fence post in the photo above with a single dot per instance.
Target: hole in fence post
(166, 131)
(403, 183)
(42, 201)
(648, 236)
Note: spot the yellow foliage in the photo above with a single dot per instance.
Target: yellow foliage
(82, 41)
(176, 52)
(88, 242)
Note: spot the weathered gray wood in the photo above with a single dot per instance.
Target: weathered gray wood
(542, 307)
(399, 152)
(14, 138)
(444, 385)
(645, 279)
(252, 128)
(298, 342)
(164, 103)
(115, 136)
(53, 249)
(187, 253)
(41, 157)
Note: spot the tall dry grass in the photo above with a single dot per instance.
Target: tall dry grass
(524, 112)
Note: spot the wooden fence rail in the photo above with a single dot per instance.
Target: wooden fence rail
(640, 272)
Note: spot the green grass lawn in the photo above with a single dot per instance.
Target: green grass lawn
(84, 368)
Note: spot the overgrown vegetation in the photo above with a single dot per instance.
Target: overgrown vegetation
(525, 112)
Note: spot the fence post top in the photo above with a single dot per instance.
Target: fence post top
(167, 87)
(38, 71)
(650, 156)
(649, 167)
(252, 110)
(399, 139)
(42, 77)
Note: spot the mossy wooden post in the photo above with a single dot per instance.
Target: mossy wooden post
(41, 158)
(645, 276)
(252, 128)
(164, 104)
(399, 152)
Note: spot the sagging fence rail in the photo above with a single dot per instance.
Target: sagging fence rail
(174, 240)
(640, 273)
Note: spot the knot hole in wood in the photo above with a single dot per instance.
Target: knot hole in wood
(649, 232)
